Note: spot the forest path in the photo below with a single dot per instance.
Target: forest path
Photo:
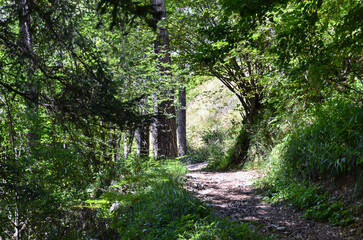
(231, 194)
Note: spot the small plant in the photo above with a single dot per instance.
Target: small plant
(312, 199)
(162, 209)
(213, 137)
(334, 212)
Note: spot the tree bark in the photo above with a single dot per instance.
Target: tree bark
(25, 46)
(164, 127)
(142, 138)
(143, 135)
(128, 140)
(182, 119)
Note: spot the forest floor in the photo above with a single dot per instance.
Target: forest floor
(232, 195)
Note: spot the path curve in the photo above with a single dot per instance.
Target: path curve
(231, 194)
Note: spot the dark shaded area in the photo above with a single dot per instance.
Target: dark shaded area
(126, 11)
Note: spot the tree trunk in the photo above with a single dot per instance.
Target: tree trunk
(239, 155)
(182, 116)
(164, 127)
(142, 138)
(25, 46)
(143, 135)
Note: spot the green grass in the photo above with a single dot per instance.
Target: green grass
(325, 143)
(166, 211)
(211, 116)
(154, 205)
(312, 199)
(282, 185)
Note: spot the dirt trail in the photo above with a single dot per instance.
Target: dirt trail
(231, 194)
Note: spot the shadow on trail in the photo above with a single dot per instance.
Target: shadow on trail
(232, 195)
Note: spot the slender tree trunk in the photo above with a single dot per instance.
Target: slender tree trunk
(126, 146)
(239, 155)
(128, 140)
(182, 118)
(164, 127)
(25, 38)
(25, 44)
(142, 138)
(9, 116)
(118, 148)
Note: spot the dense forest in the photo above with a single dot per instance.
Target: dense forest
(94, 137)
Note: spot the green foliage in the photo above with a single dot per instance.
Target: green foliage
(62, 116)
(282, 185)
(317, 140)
(317, 43)
(321, 37)
(330, 144)
(237, 155)
(335, 212)
(212, 150)
(312, 199)
(162, 209)
(310, 146)
(158, 213)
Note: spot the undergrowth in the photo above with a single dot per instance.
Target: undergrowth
(212, 119)
(324, 143)
(332, 144)
(212, 148)
(312, 199)
(153, 205)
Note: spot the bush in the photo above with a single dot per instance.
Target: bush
(212, 150)
(326, 143)
(331, 145)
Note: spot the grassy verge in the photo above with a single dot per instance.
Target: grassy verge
(154, 205)
(310, 156)
(316, 202)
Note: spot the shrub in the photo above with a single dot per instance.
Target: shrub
(331, 145)
(325, 143)
(212, 150)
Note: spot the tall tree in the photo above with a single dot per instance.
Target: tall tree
(318, 43)
(52, 65)
(25, 46)
(211, 42)
(164, 126)
(143, 140)
(182, 119)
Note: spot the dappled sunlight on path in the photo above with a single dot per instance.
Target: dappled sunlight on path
(231, 194)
